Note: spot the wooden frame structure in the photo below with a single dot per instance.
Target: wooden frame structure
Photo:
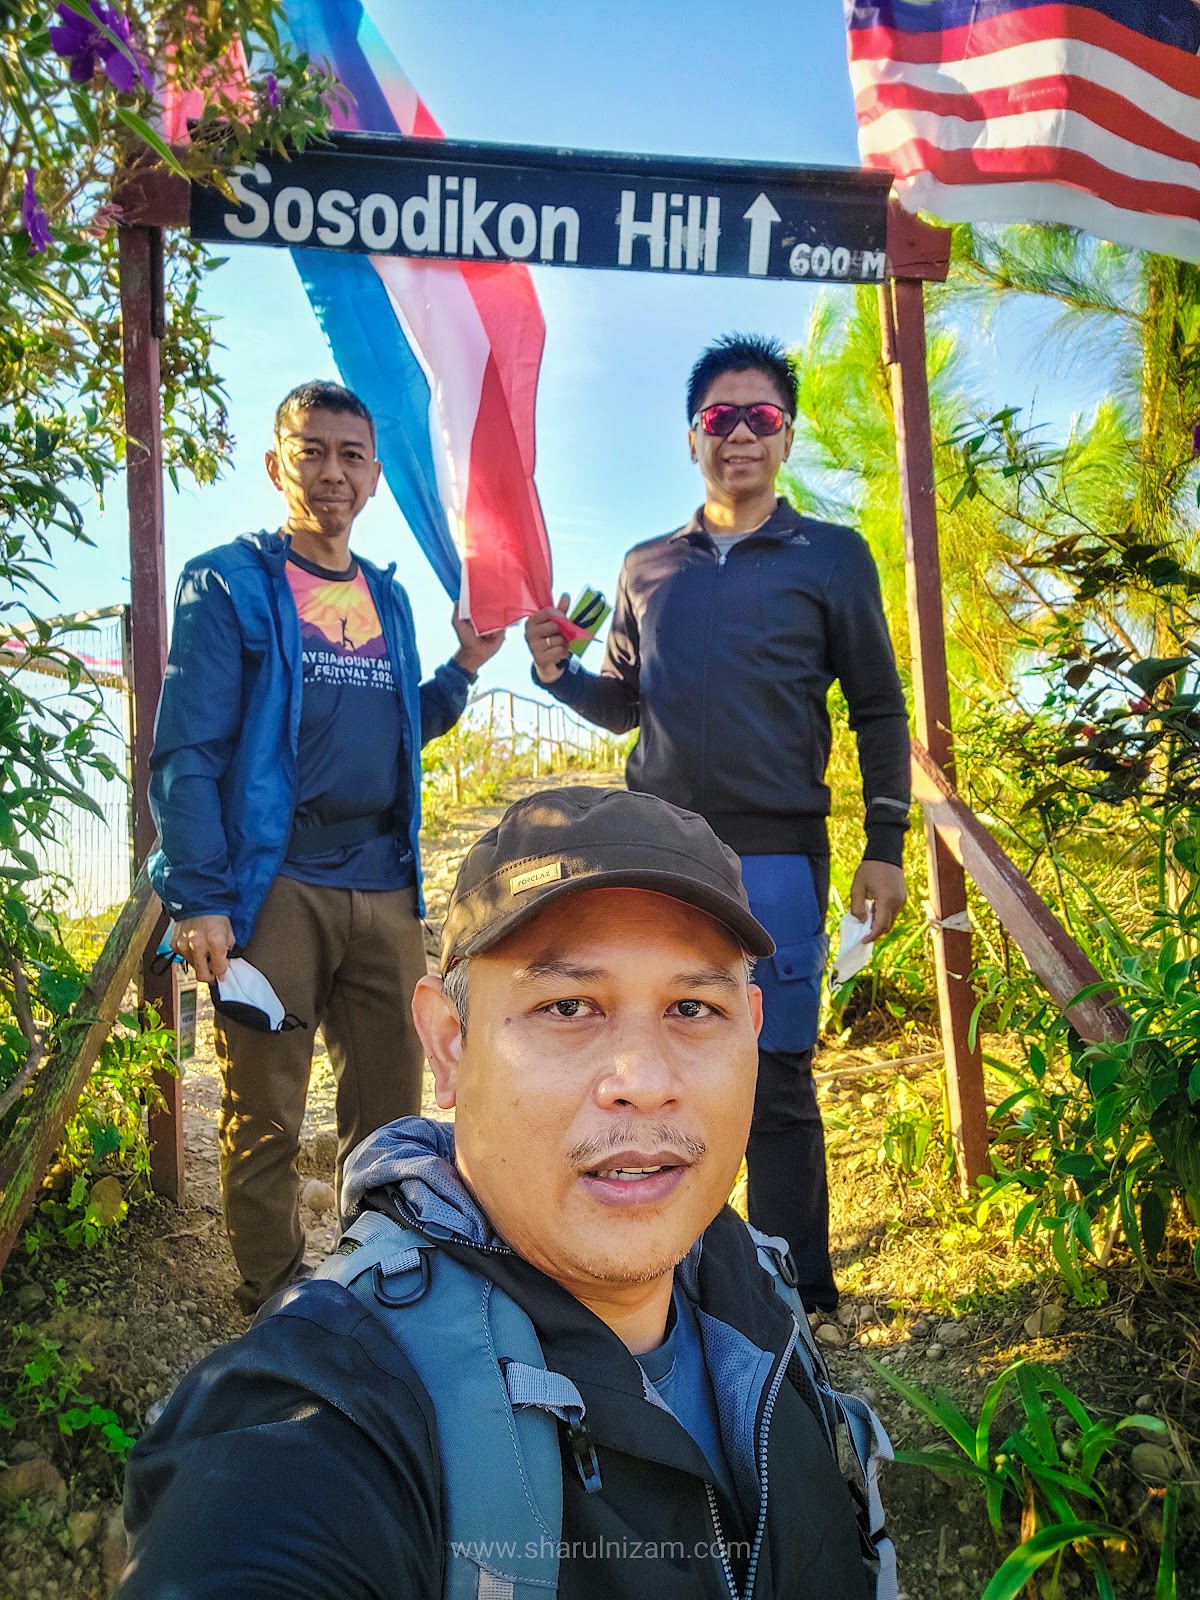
(28, 1150)
(916, 253)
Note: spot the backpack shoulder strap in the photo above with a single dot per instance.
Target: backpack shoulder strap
(855, 1433)
(496, 1406)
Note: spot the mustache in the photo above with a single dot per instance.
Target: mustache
(658, 1136)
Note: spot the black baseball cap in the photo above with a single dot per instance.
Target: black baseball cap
(561, 841)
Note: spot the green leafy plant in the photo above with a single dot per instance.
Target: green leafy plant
(1165, 1586)
(908, 1130)
(48, 1383)
(98, 1422)
(1104, 1138)
(104, 1158)
(1044, 1474)
(48, 1379)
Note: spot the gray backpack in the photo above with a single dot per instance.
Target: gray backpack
(498, 1410)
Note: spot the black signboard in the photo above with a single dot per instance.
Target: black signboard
(446, 200)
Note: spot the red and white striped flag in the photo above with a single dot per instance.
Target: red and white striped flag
(1013, 111)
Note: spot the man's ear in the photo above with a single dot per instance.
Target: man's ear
(274, 468)
(692, 442)
(754, 995)
(375, 480)
(440, 1030)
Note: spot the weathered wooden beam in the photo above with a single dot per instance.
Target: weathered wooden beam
(143, 313)
(51, 1102)
(1046, 945)
(902, 309)
(916, 249)
(151, 197)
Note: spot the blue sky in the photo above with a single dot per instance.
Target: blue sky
(687, 77)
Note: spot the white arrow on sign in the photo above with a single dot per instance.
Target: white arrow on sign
(762, 217)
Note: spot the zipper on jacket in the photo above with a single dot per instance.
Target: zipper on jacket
(714, 1510)
(404, 673)
(768, 1410)
(403, 1213)
(719, 1536)
(722, 557)
(295, 668)
(702, 775)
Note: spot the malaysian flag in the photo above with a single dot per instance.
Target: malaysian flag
(1014, 111)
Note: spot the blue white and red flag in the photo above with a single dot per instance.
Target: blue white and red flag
(1014, 110)
(445, 354)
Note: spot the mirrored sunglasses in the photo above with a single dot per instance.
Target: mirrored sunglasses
(762, 419)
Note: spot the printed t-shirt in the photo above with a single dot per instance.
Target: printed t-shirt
(680, 1378)
(352, 729)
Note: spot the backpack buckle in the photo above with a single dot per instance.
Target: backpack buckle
(787, 1268)
(385, 1296)
(583, 1448)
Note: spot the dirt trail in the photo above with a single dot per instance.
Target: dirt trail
(919, 1294)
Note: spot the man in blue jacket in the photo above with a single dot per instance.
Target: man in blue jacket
(725, 638)
(286, 785)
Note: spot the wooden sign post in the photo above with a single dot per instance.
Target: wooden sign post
(903, 324)
(142, 325)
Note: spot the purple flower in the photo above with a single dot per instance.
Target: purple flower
(36, 223)
(82, 41)
(1196, 440)
(273, 91)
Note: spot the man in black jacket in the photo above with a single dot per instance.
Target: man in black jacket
(725, 638)
(594, 1029)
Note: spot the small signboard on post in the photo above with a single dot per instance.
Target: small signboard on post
(444, 200)
(185, 1033)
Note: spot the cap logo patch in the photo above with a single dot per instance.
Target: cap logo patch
(535, 878)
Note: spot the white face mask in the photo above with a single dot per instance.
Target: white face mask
(244, 995)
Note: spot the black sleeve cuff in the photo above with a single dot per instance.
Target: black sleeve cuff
(555, 688)
(885, 842)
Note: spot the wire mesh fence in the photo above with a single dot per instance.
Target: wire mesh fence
(550, 737)
(87, 864)
(503, 735)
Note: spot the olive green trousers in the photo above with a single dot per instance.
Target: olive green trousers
(347, 961)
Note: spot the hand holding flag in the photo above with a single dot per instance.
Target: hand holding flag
(475, 649)
(555, 633)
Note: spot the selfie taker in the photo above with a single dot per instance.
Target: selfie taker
(546, 1358)
(286, 785)
(725, 639)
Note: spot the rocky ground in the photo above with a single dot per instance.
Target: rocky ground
(929, 1292)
